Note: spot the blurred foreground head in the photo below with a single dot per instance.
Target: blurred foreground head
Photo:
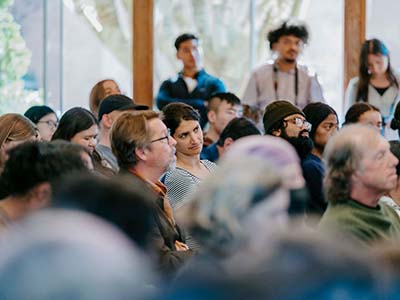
(66, 255)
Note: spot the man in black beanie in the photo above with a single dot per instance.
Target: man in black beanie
(283, 119)
(324, 121)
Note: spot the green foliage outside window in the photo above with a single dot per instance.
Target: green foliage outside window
(14, 62)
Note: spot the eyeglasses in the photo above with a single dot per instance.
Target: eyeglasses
(164, 137)
(299, 122)
(51, 124)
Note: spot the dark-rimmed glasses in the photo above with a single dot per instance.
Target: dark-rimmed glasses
(164, 137)
(299, 122)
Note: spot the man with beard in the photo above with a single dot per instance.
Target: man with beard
(283, 78)
(145, 150)
(283, 119)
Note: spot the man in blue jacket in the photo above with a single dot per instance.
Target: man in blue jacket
(193, 85)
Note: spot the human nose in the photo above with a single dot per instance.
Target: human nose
(395, 160)
(172, 141)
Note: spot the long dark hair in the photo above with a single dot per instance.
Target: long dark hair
(373, 46)
(75, 120)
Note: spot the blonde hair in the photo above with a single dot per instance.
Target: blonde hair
(15, 127)
(97, 95)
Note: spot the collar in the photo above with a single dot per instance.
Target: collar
(157, 186)
(198, 74)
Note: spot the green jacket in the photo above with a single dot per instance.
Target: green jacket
(364, 224)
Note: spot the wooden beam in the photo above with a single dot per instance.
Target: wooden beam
(354, 36)
(142, 49)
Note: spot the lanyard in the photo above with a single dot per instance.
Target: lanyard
(296, 83)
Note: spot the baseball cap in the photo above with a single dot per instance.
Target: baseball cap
(118, 102)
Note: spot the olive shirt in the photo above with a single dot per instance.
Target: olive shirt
(361, 223)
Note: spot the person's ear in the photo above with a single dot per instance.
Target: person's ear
(212, 116)
(228, 143)
(40, 196)
(106, 120)
(277, 132)
(141, 153)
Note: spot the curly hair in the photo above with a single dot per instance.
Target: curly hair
(289, 27)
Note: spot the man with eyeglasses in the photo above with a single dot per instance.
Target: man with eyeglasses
(283, 77)
(283, 119)
(145, 149)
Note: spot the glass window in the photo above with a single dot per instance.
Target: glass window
(70, 45)
(388, 31)
(229, 41)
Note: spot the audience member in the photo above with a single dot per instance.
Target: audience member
(181, 182)
(392, 198)
(395, 123)
(119, 200)
(234, 130)
(244, 195)
(110, 109)
(79, 126)
(45, 119)
(283, 158)
(192, 85)
(377, 83)
(14, 130)
(364, 113)
(66, 255)
(299, 265)
(222, 108)
(31, 174)
(100, 91)
(324, 122)
(145, 150)
(284, 78)
(360, 169)
(283, 119)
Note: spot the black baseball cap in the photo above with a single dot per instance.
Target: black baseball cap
(118, 102)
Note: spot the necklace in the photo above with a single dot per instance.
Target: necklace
(296, 82)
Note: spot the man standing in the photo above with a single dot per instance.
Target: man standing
(360, 170)
(283, 78)
(145, 149)
(193, 85)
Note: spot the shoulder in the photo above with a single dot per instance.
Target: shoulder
(208, 77)
(306, 70)
(312, 162)
(173, 79)
(209, 164)
(353, 81)
(266, 67)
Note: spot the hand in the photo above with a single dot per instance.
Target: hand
(181, 246)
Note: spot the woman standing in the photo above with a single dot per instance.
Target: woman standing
(377, 83)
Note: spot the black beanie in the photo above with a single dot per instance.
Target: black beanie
(276, 111)
(315, 113)
(35, 113)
